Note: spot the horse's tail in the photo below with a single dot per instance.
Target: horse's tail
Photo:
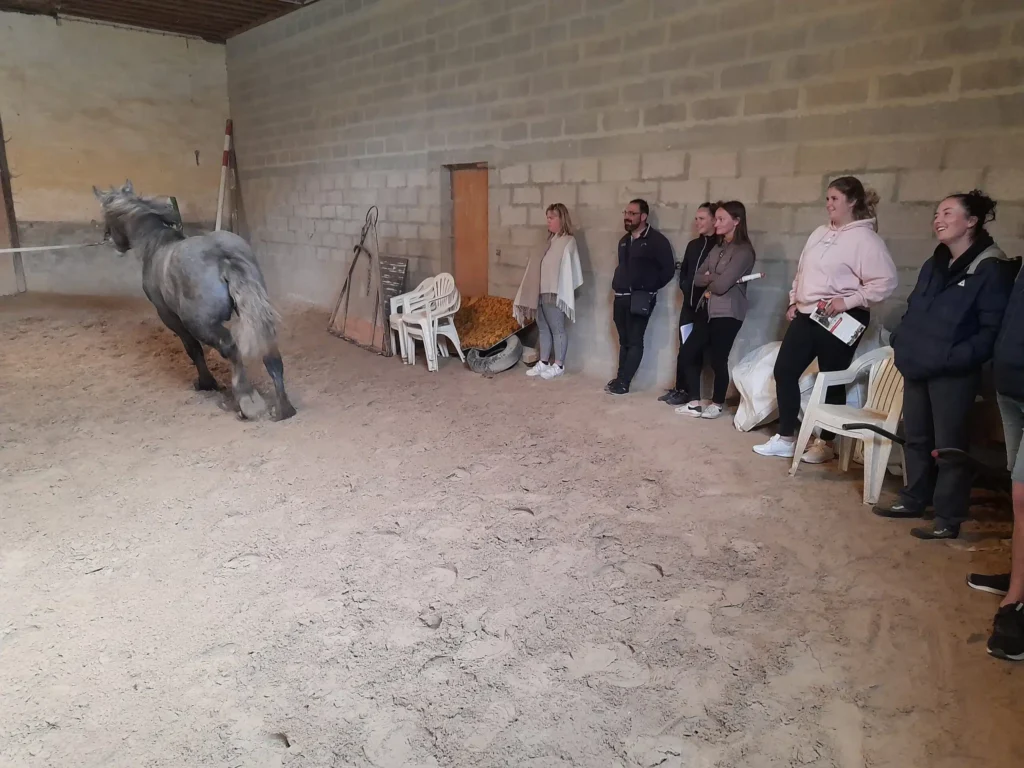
(255, 333)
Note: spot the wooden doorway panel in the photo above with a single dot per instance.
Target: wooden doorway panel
(8, 272)
(469, 224)
(12, 275)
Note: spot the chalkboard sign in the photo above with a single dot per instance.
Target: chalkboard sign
(392, 278)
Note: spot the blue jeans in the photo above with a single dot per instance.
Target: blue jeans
(551, 325)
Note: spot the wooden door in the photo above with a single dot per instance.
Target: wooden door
(12, 279)
(469, 222)
(8, 273)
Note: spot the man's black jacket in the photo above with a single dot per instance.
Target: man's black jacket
(645, 264)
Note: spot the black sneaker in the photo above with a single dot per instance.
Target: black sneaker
(1007, 640)
(611, 384)
(937, 531)
(665, 398)
(679, 398)
(999, 584)
(617, 388)
(900, 511)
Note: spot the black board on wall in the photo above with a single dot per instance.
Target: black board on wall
(393, 270)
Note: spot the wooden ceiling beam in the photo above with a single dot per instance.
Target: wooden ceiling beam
(214, 20)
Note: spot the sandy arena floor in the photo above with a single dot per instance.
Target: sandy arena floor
(446, 570)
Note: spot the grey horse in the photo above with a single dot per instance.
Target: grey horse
(196, 284)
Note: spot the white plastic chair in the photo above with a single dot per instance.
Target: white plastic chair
(883, 408)
(446, 332)
(412, 301)
(434, 322)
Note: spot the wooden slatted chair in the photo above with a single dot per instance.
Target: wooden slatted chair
(884, 407)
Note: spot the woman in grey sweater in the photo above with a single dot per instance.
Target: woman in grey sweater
(721, 310)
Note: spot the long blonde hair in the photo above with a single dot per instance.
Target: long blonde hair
(564, 219)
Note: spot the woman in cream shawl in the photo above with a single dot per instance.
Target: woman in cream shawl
(547, 293)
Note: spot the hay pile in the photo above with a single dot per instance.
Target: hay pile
(484, 321)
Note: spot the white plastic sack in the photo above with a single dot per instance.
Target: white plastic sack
(754, 379)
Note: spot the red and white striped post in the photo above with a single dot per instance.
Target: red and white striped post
(223, 173)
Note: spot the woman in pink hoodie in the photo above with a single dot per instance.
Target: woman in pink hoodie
(846, 267)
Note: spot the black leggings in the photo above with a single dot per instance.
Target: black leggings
(716, 336)
(805, 340)
(685, 316)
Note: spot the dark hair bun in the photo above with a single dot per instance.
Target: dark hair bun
(980, 205)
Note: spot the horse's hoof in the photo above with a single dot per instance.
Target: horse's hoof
(284, 412)
(251, 405)
(206, 386)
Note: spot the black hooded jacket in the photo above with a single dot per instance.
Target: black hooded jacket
(1008, 360)
(954, 313)
(697, 251)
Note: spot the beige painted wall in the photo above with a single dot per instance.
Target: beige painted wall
(87, 104)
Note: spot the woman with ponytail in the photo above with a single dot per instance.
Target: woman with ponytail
(846, 267)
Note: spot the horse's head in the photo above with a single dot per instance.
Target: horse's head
(116, 204)
(131, 220)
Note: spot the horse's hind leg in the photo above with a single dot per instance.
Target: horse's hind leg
(284, 410)
(250, 403)
(205, 382)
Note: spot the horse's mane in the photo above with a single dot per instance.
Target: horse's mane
(135, 207)
(153, 221)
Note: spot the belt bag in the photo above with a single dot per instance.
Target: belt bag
(641, 303)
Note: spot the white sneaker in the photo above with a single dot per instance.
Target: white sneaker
(820, 452)
(690, 410)
(552, 371)
(783, 449)
(537, 370)
(711, 412)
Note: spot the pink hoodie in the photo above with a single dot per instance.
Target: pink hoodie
(851, 262)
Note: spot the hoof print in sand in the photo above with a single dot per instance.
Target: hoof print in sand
(430, 619)
(399, 744)
(614, 613)
(649, 571)
(698, 621)
(485, 648)
(665, 752)
(481, 732)
(245, 560)
(747, 550)
(735, 595)
(614, 665)
(443, 576)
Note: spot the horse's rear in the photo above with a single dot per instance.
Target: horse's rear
(205, 280)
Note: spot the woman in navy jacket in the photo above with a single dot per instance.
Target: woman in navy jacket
(947, 334)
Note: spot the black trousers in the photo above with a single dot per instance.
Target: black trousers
(716, 337)
(935, 415)
(631, 329)
(804, 342)
(685, 316)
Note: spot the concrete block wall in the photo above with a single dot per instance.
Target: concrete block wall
(351, 103)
